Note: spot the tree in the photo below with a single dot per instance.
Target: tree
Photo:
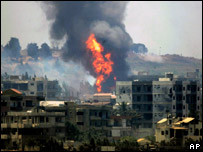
(124, 110)
(127, 144)
(72, 132)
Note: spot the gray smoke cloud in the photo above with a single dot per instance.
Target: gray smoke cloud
(77, 20)
(139, 48)
(40, 61)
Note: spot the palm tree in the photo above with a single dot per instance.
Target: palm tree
(124, 110)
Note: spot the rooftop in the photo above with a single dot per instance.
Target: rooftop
(162, 120)
(96, 103)
(185, 120)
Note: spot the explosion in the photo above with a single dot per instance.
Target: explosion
(102, 64)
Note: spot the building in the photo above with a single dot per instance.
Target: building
(14, 100)
(17, 127)
(186, 98)
(22, 118)
(153, 100)
(121, 126)
(178, 129)
(37, 86)
(104, 97)
(95, 115)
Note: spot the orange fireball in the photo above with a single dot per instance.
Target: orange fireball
(102, 64)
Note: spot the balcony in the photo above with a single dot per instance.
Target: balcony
(4, 125)
(95, 118)
(4, 137)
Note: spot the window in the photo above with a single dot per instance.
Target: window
(80, 123)
(58, 119)
(58, 130)
(138, 89)
(174, 107)
(183, 97)
(174, 97)
(188, 88)
(166, 132)
(138, 98)
(196, 133)
(80, 113)
(31, 92)
(184, 107)
(183, 88)
(198, 98)
(190, 129)
(41, 119)
(28, 103)
(149, 88)
(162, 132)
(31, 84)
(185, 133)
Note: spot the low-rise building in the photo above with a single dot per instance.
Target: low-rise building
(36, 86)
(104, 97)
(178, 129)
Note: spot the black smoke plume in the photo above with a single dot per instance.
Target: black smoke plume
(76, 20)
(139, 48)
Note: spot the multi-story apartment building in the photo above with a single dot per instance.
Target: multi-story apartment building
(14, 100)
(186, 98)
(153, 100)
(17, 127)
(37, 86)
(22, 118)
(95, 115)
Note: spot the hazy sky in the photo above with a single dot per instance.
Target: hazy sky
(164, 27)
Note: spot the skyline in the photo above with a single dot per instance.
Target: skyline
(163, 27)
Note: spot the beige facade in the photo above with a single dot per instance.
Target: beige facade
(179, 129)
(35, 87)
(94, 116)
(16, 126)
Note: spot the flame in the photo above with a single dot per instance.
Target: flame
(114, 78)
(102, 64)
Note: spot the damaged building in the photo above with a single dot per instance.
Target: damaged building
(36, 86)
(153, 100)
(22, 118)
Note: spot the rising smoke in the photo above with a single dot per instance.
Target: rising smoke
(40, 61)
(77, 20)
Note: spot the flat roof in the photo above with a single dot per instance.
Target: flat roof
(179, 128)
(96, 103)
(162, 120)
(186, 120)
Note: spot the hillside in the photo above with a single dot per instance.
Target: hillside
(156, 64)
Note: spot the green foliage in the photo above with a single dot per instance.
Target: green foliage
(151, 138)
(72, 132)
(91, 133)
(127, 143)
(45, 144)
(193, 113)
